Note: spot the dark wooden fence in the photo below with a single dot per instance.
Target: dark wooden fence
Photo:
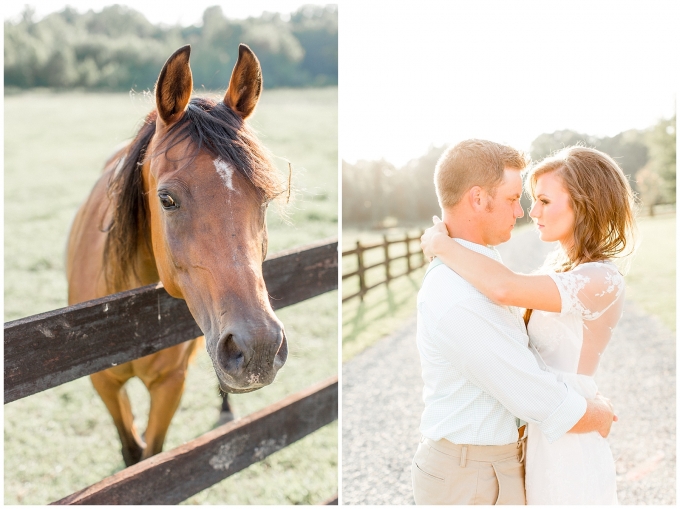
(49, 349)
(362, 268)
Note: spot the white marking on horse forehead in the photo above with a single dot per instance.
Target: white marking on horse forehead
(225, 171)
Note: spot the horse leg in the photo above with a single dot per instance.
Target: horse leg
(166, 392)
(225, 404)
(226, 412)
(114, 396)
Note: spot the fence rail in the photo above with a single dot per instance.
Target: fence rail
(49, 349)
(52, 348)
(173, 476)
(362, 268)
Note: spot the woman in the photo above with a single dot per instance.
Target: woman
(582, 200)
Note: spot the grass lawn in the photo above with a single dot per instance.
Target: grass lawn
(651, 279)
(384, 309)
(63, 439)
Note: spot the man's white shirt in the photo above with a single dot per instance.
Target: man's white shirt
(478, 370)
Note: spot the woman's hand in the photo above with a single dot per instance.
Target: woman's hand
(429, 237)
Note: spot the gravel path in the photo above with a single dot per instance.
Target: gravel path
(381, 405)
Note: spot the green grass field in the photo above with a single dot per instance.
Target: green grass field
(651, 279)
(384, 309)
(63, 439)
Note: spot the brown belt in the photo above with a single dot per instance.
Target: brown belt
(522, 441)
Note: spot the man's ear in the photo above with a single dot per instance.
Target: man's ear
(477, 198)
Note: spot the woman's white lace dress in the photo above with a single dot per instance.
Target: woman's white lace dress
(577, 468)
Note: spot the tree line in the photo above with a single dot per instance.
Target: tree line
(376, 193)
(119, 49)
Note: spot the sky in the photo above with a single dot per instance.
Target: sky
(435, 73)
(421, 73)
(171, 13)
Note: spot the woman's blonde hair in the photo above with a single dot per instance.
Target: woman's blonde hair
(603, 204)
(602, 201)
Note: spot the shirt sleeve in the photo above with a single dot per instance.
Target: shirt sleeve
(589, 290)
(484, 342)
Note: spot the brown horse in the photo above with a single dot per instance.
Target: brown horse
(185, 203)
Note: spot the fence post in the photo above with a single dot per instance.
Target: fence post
(386, 247)
(408, 254)
(360, 271)
(422, 255)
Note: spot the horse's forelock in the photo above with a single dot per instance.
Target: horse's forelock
(214, 127)
(209, 125)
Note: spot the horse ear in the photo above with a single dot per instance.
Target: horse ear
(174, 86)
(245, 84)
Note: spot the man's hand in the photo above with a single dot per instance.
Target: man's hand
(608, 409)
(599, 417)
(427, 238)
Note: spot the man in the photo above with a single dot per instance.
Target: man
(479, 373)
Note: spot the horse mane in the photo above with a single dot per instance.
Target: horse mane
(209, 125)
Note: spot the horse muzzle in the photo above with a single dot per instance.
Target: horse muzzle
(247, 360)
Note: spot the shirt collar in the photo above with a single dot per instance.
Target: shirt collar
(489, 251)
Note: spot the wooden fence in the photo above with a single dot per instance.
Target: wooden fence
(362, 268)
(49, 349)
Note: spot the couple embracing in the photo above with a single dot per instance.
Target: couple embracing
(512, 414)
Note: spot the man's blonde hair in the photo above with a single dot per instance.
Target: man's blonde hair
(473, 163)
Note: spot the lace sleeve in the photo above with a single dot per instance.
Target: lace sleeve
(590, 289)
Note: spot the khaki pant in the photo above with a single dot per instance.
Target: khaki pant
(446, 473)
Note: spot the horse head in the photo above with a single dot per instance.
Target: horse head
(207, 182)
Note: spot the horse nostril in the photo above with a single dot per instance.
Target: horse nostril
(282, 354)
(232, 356)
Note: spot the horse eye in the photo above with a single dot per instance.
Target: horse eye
(167, 201)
